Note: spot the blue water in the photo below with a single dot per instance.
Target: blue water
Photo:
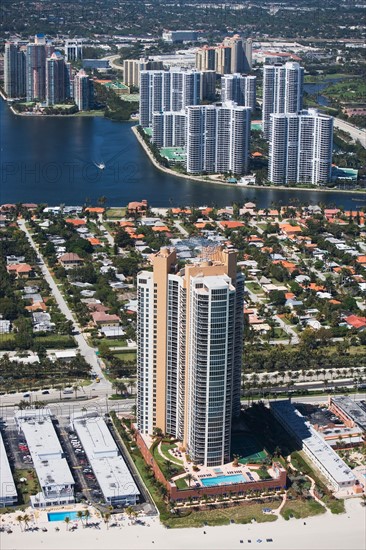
(51, 160)
(60, 516)
(223, 480)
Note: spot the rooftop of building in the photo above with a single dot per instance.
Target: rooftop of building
(7, 485)
(109, 467)
(44, 446)
(314, 442)
(352, 409)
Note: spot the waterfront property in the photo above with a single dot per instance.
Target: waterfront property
(8, 491)
(319, 451)
(227, 480)
(53, 472)
(109, 467)
(191, 394)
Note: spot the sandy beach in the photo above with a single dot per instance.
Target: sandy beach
(325, 532)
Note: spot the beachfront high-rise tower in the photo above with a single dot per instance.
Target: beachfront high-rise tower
(190, 332)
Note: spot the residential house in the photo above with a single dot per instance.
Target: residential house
(70, 260)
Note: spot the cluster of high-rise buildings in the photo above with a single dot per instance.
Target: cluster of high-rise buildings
(215, 137)
(190, 337)
(300, 141)
(234, 55)
(39, 73)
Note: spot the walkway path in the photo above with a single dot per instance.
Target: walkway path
(312, 492)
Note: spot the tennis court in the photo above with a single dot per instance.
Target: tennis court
(248, 448)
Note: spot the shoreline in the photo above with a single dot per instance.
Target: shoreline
(91, 114)
(235, 185)
(326, 531)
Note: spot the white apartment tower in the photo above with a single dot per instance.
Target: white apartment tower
(83, 91)
(154, 94)
(300, 148)
(282, 91)
(239, 88)
(169, 129)
(167, 91)
(218, 138)
(190, 332)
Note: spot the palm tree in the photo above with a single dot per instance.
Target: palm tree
(76, 388)
(189, 478)
(67, 521)
(19, 520)
(107, 517)
(26, 519)
(80, 516)
(86, 516)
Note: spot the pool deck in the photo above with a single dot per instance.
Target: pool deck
(205, 472)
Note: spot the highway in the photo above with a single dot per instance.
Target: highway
(357, 134)
(86, 351)
(112, 62)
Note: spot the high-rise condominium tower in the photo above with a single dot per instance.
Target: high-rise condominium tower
(300, 148)
(167, 91)
(239, 88)
(133, 67)
(234, 55)
(36, 71)
(282, 91)
(218, 138)
(14, 71)
(169, 128)
(57, 79)
(83, 91)
(190, 332)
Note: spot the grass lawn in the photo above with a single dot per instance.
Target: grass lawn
(243, 513)
(301, 509)
(279, 333)
(28, 488)
(254, 287)
(128, 356)
(112, 343)
(56, 341)
(167, 466)
(165, 448)
(89, 113)
(181, 483)
(116, 213)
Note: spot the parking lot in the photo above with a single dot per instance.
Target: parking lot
(85, 467)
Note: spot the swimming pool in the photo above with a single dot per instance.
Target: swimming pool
(223, 480)
(60, 516)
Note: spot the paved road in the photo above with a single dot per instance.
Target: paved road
(357, 134)
(291, 333)
(86, 351)
(181, 229)
(107, 235)
(112, 61)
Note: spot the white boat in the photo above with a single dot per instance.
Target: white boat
(100, 165)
